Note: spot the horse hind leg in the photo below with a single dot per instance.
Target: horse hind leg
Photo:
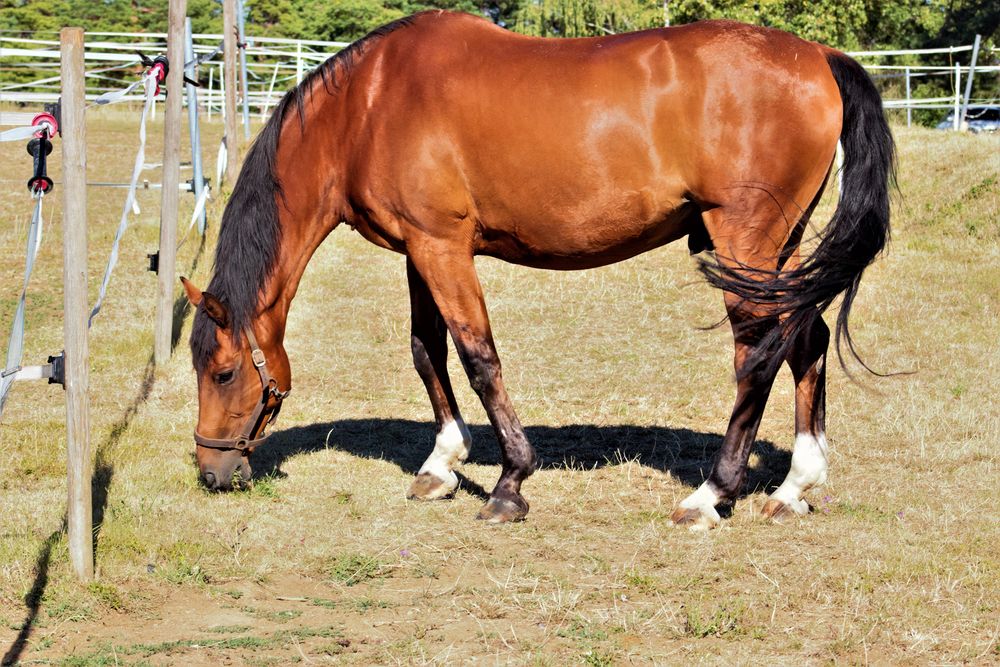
(436, 478)
(748, 233)
(754, 380)
(807, 360)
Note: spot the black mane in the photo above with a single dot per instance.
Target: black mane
(249, 234)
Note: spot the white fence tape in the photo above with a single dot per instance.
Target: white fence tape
(15, 346)
(149, 84)
(26, 132)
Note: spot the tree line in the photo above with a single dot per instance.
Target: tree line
(845, 24)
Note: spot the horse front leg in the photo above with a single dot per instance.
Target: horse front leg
(436, 477)
(450, 275)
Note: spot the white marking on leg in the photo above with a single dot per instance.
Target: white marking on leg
(809, 467)
(451, 448)
(704, 499)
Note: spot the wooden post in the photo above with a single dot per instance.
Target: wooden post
(957, 114)
(298, 63)
(170, 197)
(270, 91)
(968, 84)
(79, 511)
(209, 97)
(241, 25)
(909, 109)
(229, 76)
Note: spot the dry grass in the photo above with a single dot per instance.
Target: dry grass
(324, 560)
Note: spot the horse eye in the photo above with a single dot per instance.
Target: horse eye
(224, 378)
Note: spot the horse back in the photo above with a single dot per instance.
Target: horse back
(589, 149)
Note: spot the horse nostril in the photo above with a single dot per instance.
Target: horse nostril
(209, 478)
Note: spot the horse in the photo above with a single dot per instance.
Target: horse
(442, 137)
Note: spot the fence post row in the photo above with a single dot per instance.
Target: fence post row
(79, 512)
(171, 183)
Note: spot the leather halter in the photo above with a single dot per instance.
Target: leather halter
(257, 421)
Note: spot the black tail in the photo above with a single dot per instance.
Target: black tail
(855, 236)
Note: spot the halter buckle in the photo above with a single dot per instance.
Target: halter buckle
(258, 357)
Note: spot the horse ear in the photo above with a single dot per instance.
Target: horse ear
(214, 309)
(193, 293)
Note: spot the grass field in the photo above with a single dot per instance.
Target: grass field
(323, 560)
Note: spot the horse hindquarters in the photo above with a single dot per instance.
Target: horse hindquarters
(776, 307)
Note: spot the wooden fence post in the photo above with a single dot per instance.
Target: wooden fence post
(957, 122)
(241, 26)
(968, 85)
(229, 75)
(79, 511)
(170, 195)
(909, 109)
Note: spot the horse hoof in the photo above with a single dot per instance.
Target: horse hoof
(428, 487)
(694, 518)
(501, 510)
(779, 511)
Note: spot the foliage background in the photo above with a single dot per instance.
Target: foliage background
(845, 24)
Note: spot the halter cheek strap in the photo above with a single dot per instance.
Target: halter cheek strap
(257, 421)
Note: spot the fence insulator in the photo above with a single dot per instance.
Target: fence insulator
(39, 149)
(57, 369)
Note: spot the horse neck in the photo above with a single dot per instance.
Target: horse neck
(310, 205)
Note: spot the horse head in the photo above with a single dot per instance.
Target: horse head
(240, 373)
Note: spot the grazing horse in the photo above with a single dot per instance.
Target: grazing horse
(443, 137)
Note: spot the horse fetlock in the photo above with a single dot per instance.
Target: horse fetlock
(809, 469)
(779, 511)
(697, 511)
(436, 477)
(696, 518)
(427, 486)
(504, 509)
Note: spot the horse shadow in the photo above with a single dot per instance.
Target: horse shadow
(685, 454)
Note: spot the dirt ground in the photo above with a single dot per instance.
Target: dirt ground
(323, 560)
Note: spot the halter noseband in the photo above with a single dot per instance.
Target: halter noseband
(256, 422)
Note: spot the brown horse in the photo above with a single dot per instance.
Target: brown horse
(443, 137)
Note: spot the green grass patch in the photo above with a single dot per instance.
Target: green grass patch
(724, 621)
(641, 582)
(112, 654)
(582, 630)
(228, 629)
(107, 595)
(352, 569)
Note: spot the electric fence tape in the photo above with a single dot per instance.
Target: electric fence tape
(15, 347)
(26, 132)
(149, 83)
(199, 206)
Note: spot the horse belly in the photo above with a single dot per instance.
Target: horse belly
(609, 236)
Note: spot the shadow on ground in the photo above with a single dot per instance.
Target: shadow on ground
(100, 483)
(684, 453)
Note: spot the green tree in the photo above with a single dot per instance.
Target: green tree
(583, 18)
